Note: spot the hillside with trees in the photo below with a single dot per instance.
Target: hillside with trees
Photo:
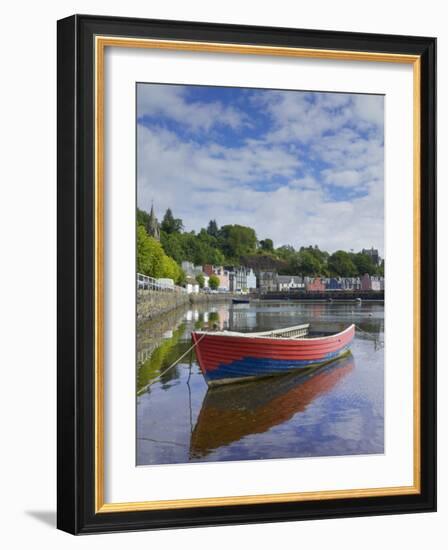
(237, 245)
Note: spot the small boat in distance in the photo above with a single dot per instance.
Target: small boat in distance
(226, 356)
(240, 301)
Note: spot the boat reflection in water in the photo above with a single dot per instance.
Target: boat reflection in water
(231, 412)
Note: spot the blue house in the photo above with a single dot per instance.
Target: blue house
(334, 284)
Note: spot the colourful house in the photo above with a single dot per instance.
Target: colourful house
(315, 285)
(366, 283)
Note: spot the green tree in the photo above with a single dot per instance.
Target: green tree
(237, 240)
(170, 224)
(340, 263)
(306, 263)
(170, 269)
(142, 218)
(267, 245)
(152, 260)
(364, 264)
(212, 228)
(173, 245)
(150, 254)
(213, 282)
(200, 280)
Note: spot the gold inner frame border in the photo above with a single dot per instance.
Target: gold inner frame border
(101, 42)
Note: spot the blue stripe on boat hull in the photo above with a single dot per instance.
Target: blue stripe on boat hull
(250, 367)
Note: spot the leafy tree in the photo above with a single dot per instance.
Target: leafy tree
(285, 252)
(149, 254)
(170, 224)
(200, 280)
(213, 282)
(142, 218)
(152, 260)
(267, 245)
(340, 263)
(364, 264)
(212, 228)
(173, 245)
(237, 240)
(171, 269)
(306, 263)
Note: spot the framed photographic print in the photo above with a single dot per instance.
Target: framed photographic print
(246, 274)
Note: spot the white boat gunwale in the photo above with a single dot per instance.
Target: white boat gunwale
(266, 334)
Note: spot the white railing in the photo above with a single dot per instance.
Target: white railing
(149, 283)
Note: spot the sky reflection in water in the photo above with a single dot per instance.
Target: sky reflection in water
(335, 410)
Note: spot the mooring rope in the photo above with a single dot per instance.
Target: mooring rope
(142, 390)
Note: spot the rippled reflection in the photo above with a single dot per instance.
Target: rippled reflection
(229, 413)
(335, 410)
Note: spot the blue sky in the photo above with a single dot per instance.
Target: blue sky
(300, 167)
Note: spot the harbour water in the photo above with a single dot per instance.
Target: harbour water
(336, 410)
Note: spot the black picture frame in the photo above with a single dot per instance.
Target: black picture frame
(76, 285)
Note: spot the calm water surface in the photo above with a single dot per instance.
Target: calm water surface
(335, 410)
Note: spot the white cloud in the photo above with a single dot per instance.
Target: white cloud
(170, 101)
(204, 182)
(307, 117)
(313, 176)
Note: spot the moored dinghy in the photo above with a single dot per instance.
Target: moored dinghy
(227, 356)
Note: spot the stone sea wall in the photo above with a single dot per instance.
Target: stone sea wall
(208, 298)
(153, 303)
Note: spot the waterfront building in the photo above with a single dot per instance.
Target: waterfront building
(192, 270)
(290, 282)
(191, 285)
(366, 283)
(315, 285)
(375, 283)
(244, 279)
(206, 280)
(351, 283)
(267, 281)
(251, 279)
(188, 268)
(223, 276)
(333, 283)
(232, 277)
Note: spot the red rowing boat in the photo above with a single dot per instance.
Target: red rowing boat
(234, 356)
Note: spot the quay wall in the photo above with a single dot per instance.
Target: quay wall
(152, 303)
(208, 298)
(325, 295)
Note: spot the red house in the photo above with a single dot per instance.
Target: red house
(208, 270)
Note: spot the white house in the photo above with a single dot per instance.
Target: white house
(290, 282)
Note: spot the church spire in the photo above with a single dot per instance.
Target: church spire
(153, 225)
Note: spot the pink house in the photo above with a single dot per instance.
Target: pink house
(366, 283)
(223, 276)
(315, 285)
(220, 272)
